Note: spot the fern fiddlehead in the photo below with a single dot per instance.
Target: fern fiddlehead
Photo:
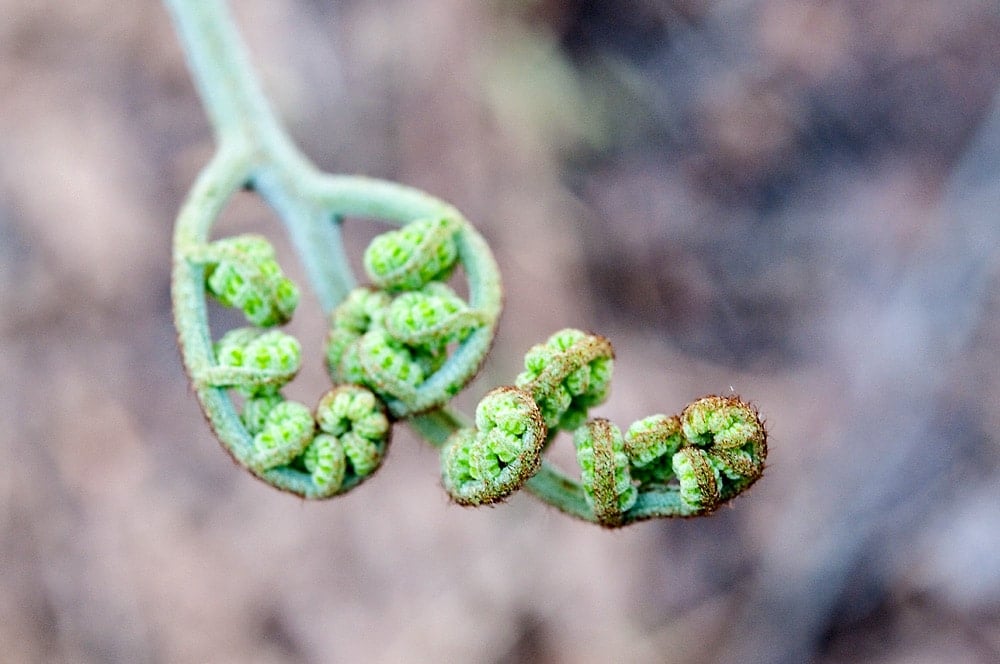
(676, 466)
(394, 337)
(401, 347)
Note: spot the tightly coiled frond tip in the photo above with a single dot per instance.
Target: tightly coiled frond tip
(488, 463)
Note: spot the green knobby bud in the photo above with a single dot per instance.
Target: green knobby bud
(360, 350)
(243, 272)
(387, 366)
(568, 374)
(256, 410)
(362, 309)
(607, 484)
(288, 430)
(699, 478)
(732, 434)
(488, 463)
(431, 317)
(722, 422)
(420, 252)
(652, 438)
(356, 419)
(327, 464)
(255, 361)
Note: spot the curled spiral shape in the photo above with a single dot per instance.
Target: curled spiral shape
(488, 463)
(709, 454)
(567, 375)
(338, 447)
(404, 346)
(411, 339)
(563, 378)
(353, 440)
(243, 272)
(407, 259)
(698, 478)
(288, 429)
(254, 361)
(732, 436)
(653, 437)
(430, 318)
(256, 409)
(663, 466)
(607, 482)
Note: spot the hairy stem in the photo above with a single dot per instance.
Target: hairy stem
(221, 68)
(245, 123)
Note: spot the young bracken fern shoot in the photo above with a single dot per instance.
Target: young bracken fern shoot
(402, 346)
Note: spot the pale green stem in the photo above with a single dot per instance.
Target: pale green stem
(245, 123)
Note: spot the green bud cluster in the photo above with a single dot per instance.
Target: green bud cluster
(353, 440)
(338, 447)
(394, 337)
(563, 378)
(662, 466)
(408, 344)
(346, 439)
(288, 429)
(567, 375)
(604, 466)
(714, 450)
(407, 259)
(257, 361)
(243, 272)
(488, 463)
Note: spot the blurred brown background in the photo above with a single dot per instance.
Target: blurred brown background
(793, 199)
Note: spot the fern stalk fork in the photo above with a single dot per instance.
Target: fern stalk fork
(404, 343)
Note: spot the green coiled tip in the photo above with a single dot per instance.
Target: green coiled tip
(722, 422)
(326, 463)
(256, 409)
(420, 252)
(253, 360)
(604, 465)
(714, 450)
(356, 438)
(698, 477)
(288, 429)
(243, 272)
(568, 374)
(653, 437)
(433, 317)
(486, 464)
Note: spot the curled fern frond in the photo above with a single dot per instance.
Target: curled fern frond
(607, 484)
(650, 444)
(403, 347)
(693, 463)
(353, 442)
(698, 478)
(387, 365)
(567, 375)
(407, 259)
(413, 340)
(653, 437)
(431, 317)
(488, 463)
(288, 429)
(326, 463)
(253, 361)
(733, 437)
(256, 409)
(243, 272)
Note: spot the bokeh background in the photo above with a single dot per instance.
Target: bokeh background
(795, 200)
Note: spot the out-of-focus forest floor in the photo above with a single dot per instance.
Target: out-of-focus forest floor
(796, 200)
